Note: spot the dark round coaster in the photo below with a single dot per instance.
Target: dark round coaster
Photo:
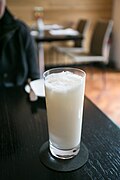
(63, 165)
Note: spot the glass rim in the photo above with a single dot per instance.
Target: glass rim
(60, 68)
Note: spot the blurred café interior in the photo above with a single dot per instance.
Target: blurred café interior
(103, 75)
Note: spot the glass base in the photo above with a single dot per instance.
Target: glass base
(63, 165)
(64, 154)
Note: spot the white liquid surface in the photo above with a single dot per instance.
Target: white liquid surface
(64, 99)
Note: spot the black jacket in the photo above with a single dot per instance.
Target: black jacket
(18, 59)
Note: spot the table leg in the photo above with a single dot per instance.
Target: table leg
(41, 59)
(41, 67)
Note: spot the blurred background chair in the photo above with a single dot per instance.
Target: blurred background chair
(82, 27)
(58, 51)
(99, 48)
(99, 45)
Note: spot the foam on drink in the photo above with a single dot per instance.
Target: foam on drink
(64, 100)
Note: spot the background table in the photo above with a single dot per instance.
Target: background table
(47, 38)
(23, 129)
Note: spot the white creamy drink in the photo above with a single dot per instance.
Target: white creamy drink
(64, 99)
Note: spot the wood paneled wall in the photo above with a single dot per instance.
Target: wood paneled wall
(62, 11)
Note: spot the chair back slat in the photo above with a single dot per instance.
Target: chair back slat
(82, 26)
(100, 37)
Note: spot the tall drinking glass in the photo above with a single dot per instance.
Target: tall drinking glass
(64, 91)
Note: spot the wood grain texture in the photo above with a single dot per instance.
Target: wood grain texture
(102, 87)
(63, 12)
(23, 129)
(59, 11)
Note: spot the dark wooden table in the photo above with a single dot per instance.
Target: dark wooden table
(52, 38)
(23, 129)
